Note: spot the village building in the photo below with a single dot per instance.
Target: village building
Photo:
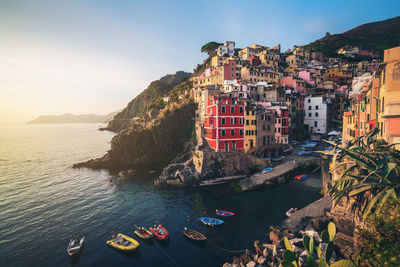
(317, 114)
(224, 123)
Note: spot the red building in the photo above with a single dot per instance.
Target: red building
(224, 123)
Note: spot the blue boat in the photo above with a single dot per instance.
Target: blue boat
(211, 221)
(267, 170)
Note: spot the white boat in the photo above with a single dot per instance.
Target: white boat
(291, 211)
(75, 245)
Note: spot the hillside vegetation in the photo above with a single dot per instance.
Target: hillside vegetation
(376, 36)
(139, 106)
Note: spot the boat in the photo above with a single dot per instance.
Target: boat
(143, 233)
(75, 245)
(123, 242)
(291, 211)
(304, 153)
(194, 235)
(211, 221)
(267, 170)
(160, 232)
(287, 150)
(301, 177)
(277, 159)
(224, 213)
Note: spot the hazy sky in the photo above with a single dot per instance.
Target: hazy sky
(95, 56)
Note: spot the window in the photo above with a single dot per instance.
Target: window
(247, 122)
(263, 127)
(240, 132)
(316, 107)
(269, 127)
(309, 114)
(241, 110)
(316, 114)
(279, 130)
(309, 100)
(223, 109)
(232, 132)
(315, 124)
(223, 132)
(309, 107)
(247, 112)
(223, 121)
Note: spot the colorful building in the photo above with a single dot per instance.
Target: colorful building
(224, 123)
(250, 128)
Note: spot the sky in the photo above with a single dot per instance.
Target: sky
(94, 56)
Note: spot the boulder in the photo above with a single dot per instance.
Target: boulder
(251, 264)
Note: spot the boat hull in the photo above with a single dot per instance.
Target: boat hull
(161, 234)
(211, 221)
(194, 235)
(131, 246)
(224, 213)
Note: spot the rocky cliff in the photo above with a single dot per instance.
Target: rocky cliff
(141, 104)
(154, 143)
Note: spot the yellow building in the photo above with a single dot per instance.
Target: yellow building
(250, 128)
(217, 61)
(389, 96)
(268, 59)
(258, 74)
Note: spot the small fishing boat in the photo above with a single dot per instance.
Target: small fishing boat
(301, 177)
(211, 221)
(123, 242)
(287, 150)
(291, 211)
(143, 233)
(277, 159)
(75, 245)
(267, 170)
(224, 213)
(194, 235)
(160, 232)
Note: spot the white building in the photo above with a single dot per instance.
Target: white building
(228, 48)
(316, 115)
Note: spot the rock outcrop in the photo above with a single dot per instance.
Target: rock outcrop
(156, 142)
(209, 165)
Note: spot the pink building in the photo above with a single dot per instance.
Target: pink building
(290, 81)
(306, 76)
(282, 121)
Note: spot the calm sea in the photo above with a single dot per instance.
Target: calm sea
(43, 202)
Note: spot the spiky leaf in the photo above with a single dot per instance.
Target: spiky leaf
(319, 252)
(323, 263)
(311, 261)
(329, 251)
(331, 231)
(287, 264)
(288, 246)
(289, 256)
(325, 236)
(343, 263)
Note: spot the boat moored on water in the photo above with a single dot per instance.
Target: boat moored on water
(267, 170)
(291, 211)
(160, 232)
(194, 235)
(143, 233)
(224, 213)
(211, 221)
(277, 159)
(301, 177)
(75, 245)
(123, 242)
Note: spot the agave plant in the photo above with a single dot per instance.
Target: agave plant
(292, 259)
(366, 165)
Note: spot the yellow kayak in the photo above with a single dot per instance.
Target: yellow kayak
(123, 242)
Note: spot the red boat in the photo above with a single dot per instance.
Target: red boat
(224, 213)
(160, 232)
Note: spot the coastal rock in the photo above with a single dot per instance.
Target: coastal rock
(149, 146)
(273, 236)
(251, 264)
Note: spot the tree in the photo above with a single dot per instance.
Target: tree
(210, 47)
